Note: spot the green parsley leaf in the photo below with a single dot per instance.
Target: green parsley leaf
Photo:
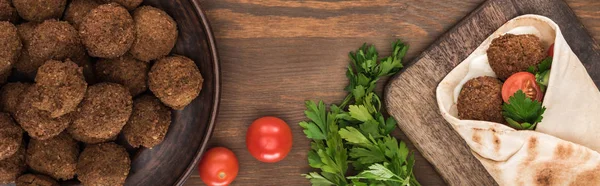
(317, 180)
(378, 172)
(522, 112)
(317, 127)
(352, 135)
(545, 65)
(360, 112)
(532, 69)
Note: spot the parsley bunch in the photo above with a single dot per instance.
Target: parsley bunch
(359, 134)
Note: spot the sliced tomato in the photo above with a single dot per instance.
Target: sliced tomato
(524, 81)
(551, 51)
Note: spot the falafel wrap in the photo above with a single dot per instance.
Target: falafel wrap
(563, 148)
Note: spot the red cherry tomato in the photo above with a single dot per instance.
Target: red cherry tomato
(524, 81)
(551, 51)
(269, 139)
(218, 167)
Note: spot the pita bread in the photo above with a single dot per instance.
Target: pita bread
(564, 148)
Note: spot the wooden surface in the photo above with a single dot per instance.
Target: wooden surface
(275, 54)
(411, 95)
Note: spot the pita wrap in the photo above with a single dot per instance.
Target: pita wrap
(563, 150)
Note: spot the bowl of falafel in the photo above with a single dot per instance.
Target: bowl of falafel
(104, 92)
(525, 105)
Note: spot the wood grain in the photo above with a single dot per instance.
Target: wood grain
(411, 95)
(275, 54)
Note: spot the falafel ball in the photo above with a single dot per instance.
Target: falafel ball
(481, 99)
(62, 87)
(156, 34)
(11, 95)
(77, 10)
(125, 70)
(129, 4)
(40, 10)
(13, 166)
(102, 114)
(103, 164)
(38, 123)
(56, 157)
(8, 12)
(149, 122)
(107, 31)
(10, 48)
(36, 180)
(175, 80)
(56, 40)
(509, 54)
(11, 136)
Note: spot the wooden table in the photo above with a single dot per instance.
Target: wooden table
(275, 54)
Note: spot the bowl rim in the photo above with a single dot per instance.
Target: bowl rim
(212, 46)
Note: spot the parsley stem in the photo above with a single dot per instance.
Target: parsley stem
(346, 101)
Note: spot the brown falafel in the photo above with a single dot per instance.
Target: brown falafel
(38, 123)
(175, 80)
(103, 164)
(156, 34)
(62, 87)
(56, 40)
(102, 113)
(126, 71)
(107, 31)
(10, 48)
(11, 95)
(13, 166)
(56, 157)
(77, 10)
(40, 10)
(481, 99)
(8, 11)
(509, 54)
(11, 136)
(129, 4)
(36, 180)
(149, 122)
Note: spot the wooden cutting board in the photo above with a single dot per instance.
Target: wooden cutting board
(410, 95)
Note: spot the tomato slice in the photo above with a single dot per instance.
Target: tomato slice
(524, 81)
(551, 51)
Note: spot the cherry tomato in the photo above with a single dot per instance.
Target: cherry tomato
(524, 81)
(218, 166)
(551, 51)
(269, 139)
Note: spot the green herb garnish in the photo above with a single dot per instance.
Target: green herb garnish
(542, 73)
(356, 132)
(522, 112)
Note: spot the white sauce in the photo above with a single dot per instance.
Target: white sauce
(480, 66)
(525, 30)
